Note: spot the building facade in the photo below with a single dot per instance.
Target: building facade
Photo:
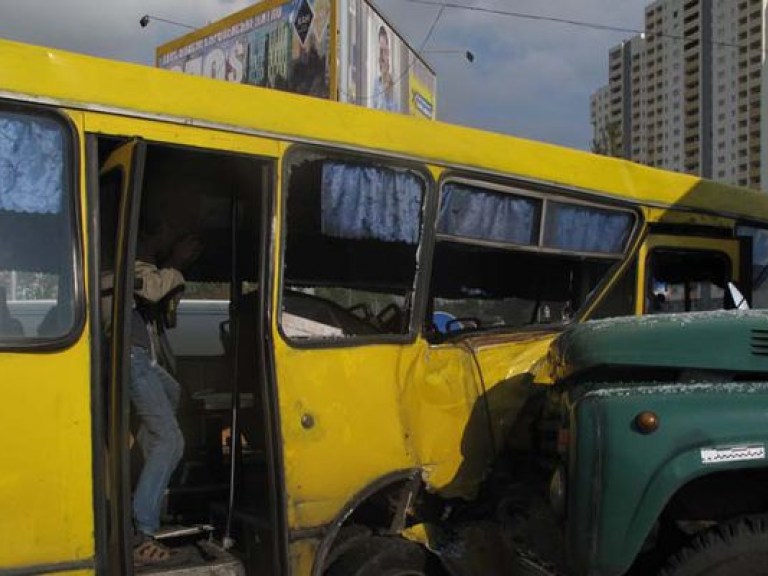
(686, 94)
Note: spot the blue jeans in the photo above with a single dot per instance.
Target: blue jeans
(155, 398)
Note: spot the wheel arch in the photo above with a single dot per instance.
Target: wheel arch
(399, 486)
(671, 492)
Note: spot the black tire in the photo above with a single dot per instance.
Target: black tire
(382, 556)
(738, 548)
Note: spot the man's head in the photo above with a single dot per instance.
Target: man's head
(383, 51)
(156, 238)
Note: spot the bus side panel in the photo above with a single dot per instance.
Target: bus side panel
(46, 473)
(341, 425)
(45, 440)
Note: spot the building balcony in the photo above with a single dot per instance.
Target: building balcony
(690, 7)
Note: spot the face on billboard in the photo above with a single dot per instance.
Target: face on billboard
(383, 67)
(384, 47)
(393, 77)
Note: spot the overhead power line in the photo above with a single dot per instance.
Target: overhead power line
(567, 21)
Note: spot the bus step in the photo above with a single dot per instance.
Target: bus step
(173, 532)
(205, 559)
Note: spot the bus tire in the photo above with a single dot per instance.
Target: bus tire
(382, 556)
(738, 547)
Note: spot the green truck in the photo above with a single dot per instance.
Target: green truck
(658, 451)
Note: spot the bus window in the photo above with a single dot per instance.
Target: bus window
(353, 230)
(686, 280)
(507, 258)
(37, 248)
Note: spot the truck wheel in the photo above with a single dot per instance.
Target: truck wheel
(739, 547)
(382, 556)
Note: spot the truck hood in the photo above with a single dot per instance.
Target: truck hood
(730, 341)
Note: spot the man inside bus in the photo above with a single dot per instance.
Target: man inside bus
(160, 257)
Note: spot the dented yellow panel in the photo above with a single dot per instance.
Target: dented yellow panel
(444, 420)
(511, 366)
(353, 415)
(338, 410)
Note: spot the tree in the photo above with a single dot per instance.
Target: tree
(608, 141)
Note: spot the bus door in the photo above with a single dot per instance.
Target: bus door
(352, 231)
(210, 339)
(687, 273)
(119, 200)
(46, 512)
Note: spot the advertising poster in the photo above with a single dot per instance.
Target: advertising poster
(275, 44)
(421, 90)
(377, 68)
(383, 66)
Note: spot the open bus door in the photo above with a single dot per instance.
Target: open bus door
(225, 485)
(119, 201)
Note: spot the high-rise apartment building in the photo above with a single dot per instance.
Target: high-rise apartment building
(685, 95)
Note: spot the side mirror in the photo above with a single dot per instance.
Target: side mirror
(739, 300)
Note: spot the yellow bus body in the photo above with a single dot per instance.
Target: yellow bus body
(418, 407)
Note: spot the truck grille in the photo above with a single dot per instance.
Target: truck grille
(759, 342)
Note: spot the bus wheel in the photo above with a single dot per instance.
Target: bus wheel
(739, 547)
(382, 556)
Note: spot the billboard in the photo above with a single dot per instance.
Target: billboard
(283, 44)
(338, 49)
(377, 67)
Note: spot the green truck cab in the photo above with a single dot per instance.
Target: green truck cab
(662, 444)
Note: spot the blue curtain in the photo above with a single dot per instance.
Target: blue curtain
(369, 202)
(473, 213)
(31, 164)
(586, 229)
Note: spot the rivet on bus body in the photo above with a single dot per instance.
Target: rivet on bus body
(647, 422)
(307, 421)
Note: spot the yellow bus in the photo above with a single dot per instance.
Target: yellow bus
(357, 339)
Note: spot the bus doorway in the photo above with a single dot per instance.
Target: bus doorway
(221, 502)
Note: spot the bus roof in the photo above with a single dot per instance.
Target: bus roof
(84, 82)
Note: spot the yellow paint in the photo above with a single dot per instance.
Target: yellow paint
(728, 247)
(510, 371)
(301, 555)
(86, 81)
(46, 506)
(443, 419)
(351, 415)
(351, 397)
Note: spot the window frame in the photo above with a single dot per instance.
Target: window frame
(500, 183)
(422, 264)
(648, 280)
(72, 159)
(529, 190)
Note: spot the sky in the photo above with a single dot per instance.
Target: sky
(529, 78)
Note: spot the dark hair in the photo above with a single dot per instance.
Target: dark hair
(383, 32)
